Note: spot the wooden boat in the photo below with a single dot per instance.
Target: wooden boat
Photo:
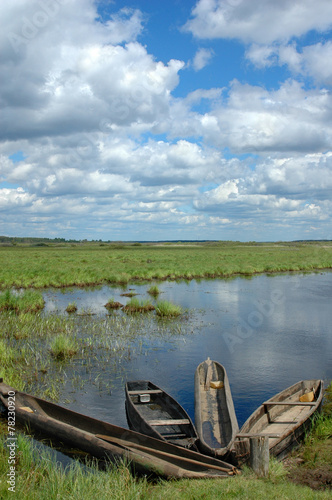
(215, 417)
(284, 418)
(103, 440)
(152, 411)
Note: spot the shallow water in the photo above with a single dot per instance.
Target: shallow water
(267, 331)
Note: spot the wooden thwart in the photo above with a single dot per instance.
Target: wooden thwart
(170, 421)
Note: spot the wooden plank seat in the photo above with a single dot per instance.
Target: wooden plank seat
(170, 421)
(178, 435)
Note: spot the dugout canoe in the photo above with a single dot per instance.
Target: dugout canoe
(285, 418)
(151, 411)
(215, 417)
(103, 440)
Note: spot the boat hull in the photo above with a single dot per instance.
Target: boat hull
(215, 417)
(104, 440)
(284, 418)
(153, 412)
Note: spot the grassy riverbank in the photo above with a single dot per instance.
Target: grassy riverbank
(91, 264)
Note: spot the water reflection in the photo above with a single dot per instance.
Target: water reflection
(268, 332)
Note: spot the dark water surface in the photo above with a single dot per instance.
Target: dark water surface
(268, 331)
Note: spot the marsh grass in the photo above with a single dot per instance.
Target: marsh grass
(113, 304)
(72, 307)
(46, 266)
(63, 347)
(28, 301)
(166, 309)
(138, 306)
(154, 291)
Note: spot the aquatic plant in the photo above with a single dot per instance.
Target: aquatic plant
(167, 309)
(63, 347)
(72, 307)
(154, 291)
(136, 305)
(27, 301)
(113, 304)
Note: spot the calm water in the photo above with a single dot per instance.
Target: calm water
(268, 332)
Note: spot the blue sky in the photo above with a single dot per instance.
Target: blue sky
(151, 120)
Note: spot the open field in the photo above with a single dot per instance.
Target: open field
(92, 264)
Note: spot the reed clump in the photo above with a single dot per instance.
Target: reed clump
(154, 291)
(166, 309)
(136, 305)
(63, 347)
(113, 304)
(72, 307)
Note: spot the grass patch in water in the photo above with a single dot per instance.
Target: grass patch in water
(166, 309)
(72, 307)
(28, 301)
(113, 304)
(137, 305)
(63, 347)
(154, 291)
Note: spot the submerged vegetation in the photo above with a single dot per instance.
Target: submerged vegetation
(90, 264)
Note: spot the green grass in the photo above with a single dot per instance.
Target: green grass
(136, 305)
(166, 309)
(38, 476)
(90, 264)
(72, 307)
(154, 291)
(63, 347)
(28, 301)
(113, 304)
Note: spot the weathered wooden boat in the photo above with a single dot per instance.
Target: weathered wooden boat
(152, 411)
(215, 417)
(284, 418)
(104, 440)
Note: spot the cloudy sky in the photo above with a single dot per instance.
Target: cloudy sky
(166, 119)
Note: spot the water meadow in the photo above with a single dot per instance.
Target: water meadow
(91, 264)
(269, 329)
